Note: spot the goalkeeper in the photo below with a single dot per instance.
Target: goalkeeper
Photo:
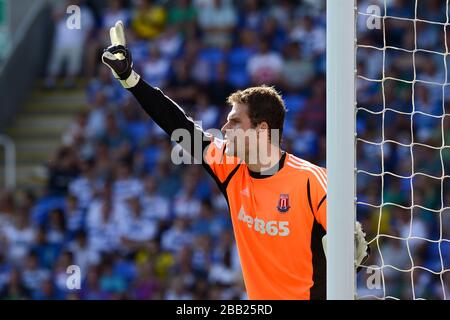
(277, 206)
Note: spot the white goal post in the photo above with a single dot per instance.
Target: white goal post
(388, 147)
(341, 100)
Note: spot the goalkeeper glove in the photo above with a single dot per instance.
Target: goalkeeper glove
(118, 58)
(362, 250)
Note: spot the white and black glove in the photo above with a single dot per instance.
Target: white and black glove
(118, 58)
(362, 249)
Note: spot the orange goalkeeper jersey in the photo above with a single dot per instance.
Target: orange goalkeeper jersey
(278, 222)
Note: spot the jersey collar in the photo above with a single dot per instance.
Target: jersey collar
(269, 172)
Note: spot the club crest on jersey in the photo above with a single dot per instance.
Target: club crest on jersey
(283, 203)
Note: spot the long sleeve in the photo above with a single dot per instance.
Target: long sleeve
(209, 150)
(170, 116)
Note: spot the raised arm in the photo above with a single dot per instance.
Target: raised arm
(165, 112)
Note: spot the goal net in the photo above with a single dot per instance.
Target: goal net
(402, 146)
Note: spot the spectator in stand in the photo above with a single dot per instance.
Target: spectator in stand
(217, 21)
(61, 171)
(182, 16)
(265, 66)
(18, 235)
(14, 288)
(69, 44)
(136, 229)
(149, 19)
(155, 206)
(156, 68)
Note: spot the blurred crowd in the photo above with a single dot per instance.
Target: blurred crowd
(140, 227)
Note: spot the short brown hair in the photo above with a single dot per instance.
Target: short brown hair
(264, 104)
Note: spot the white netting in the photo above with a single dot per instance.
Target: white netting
(403, 147)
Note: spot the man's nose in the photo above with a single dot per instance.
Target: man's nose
(224, 128)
